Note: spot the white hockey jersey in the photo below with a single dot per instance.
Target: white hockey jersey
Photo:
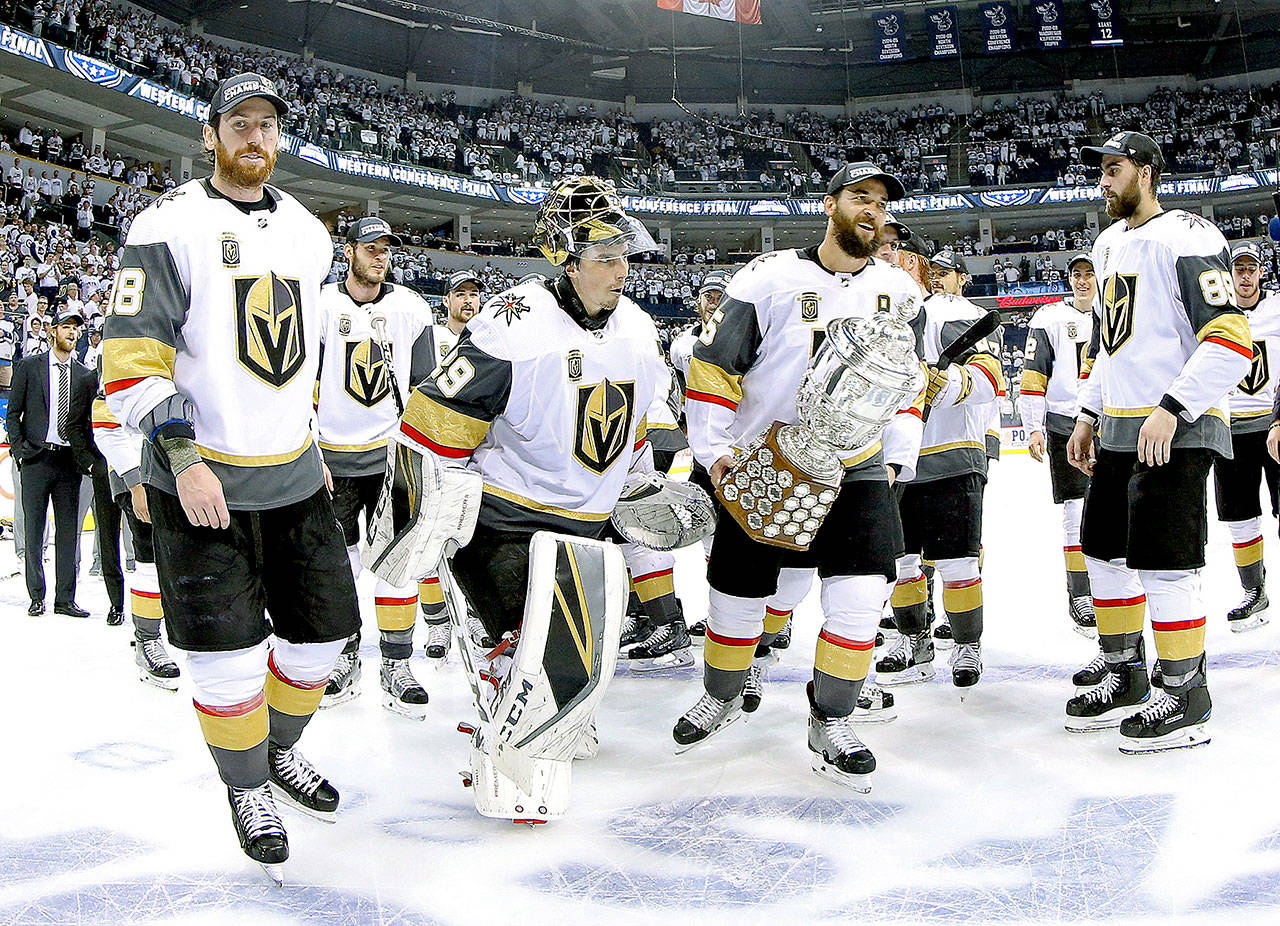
(955, 436)
(445, 341)
(1167, 330)
(1056, 344)
(681, 350)
(122, 447)
(215, 320)
(546, 404)
(754, 351)
(356, 405)
(1253, 399)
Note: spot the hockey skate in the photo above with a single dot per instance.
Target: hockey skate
(753, 687)
(155, 665)
(1104, 705)
(1157, 675)
(259, 829)
(344, 681)
(966, 664)
(706, 718)
(875, 705)
(401, 693)
(666, 647)
(783, 639)
(1171, 721)
(296, 781)
(481, 642)
(909, 661)
(439, 636)
(635, 627)
(838, 754)
(1251, 613)
(1083, 620)
(698, 631)
(1094, 671)
(942, 637)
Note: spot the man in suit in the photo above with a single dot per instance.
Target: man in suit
(49, 434)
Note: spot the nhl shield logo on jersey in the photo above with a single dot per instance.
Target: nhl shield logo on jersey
(366, 379)
(344, 324)
(269, 336)
(1259, 373)
(605, 411)
(1117, 310)
(809, 306)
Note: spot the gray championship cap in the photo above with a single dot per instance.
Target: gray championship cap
(948, 259)
(1248, 249)
(1086, 258)
(371, 228)
(715, 280)
(235, 90)
(857, 171)
(1139, 148)
(459, 277)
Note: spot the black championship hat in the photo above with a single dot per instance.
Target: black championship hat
(1139, 148)
(947, 259)
(371, 228)
(856, 171)
(235, 90)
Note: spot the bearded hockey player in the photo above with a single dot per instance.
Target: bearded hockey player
(746, 369)
(1056, 343)
(376, 340)
(942, 506)
(517, 448)
(211, 351)
(1171, 344)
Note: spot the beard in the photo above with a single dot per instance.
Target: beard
(366, 275)
(850, 238)
(239, 173)
(1125, 202)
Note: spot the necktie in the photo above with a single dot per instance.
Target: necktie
(64, 399)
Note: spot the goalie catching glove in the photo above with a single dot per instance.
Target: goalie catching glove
(663, 514)
(424, 506)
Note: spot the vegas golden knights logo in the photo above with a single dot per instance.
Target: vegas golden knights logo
(269, 336)
(1259, 373)
(603, 423)
(366, 378)
(1117, 310)
(809, 306)
(575, 365)
(230, 250)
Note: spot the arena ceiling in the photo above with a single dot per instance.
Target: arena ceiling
(807, 52)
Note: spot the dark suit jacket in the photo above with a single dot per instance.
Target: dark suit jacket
(28, 419)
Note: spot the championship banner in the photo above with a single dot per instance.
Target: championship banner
(892, 40)
(944, 35)
(1104, 25)
(1050, 33)
(998, 25)
(743, 11)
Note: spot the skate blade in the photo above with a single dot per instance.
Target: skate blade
(339, 699)
(164, 684)
(1089, 633)
(912, 676)
(283, 797)
(274, 871)
(884, 715)
(824, 769)
(399, 708)
(1093, 724)
(681, 749)
(1186, 738)
(660, 663)
(1252, 622)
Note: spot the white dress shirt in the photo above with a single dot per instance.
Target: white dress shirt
(52, 437)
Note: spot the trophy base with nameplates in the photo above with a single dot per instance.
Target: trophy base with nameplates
(781, 486)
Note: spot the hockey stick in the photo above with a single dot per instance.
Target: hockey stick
(983, 327)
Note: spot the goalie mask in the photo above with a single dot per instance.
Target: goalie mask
(583, 217)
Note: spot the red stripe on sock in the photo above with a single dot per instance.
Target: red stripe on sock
(304, 686)
(232, 710)
(1166, 626)
(731, 641)
(652, 575)
(846, 643)
(962, 583)
(412, 599)
(1119, 602)
(769, 610)
(1247, 543)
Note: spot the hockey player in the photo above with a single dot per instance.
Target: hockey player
(376, 341)
(211, 351)
(1056, 343)
(942, 506)
(534, 421)
(1171, 344)
(746, 370)
(894, 235)
(1237, 480)
(461, 301)
(123, 449)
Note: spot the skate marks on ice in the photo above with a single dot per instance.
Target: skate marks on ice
(1260, 888)
(160, 896)
(123, 756)
(732, 851)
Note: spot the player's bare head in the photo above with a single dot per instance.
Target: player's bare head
(462, 300)
(598, 280)
(855, 216)
(1246, 273)
(369, 261)
(1084, 284)
(244, 142)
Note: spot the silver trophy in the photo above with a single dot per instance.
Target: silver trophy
(783, 485)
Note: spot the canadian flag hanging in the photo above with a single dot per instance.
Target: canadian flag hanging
(743, 11)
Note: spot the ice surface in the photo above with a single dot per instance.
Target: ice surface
(981, 810)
